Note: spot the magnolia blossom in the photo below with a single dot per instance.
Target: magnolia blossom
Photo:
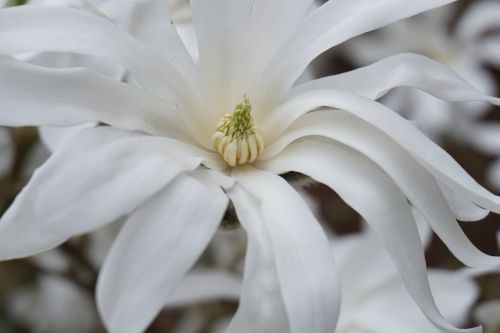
(182, 138)
(464, 49)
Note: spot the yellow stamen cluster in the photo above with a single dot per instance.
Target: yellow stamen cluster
(238, 138)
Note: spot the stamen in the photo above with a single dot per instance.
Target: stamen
(238, 138)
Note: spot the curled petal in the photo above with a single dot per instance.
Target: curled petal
(366, 188)
(406, 69)
(304, 262)
(434, 158)
(331, 24)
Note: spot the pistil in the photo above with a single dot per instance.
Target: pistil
(237, 138)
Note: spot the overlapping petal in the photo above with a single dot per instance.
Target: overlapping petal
(406, 69)
(150, 21)
(261, 307)
(304, 263)
(333, 23)
(417, 184)
(97, 177)
(57, 29)
(367, 189)
(202, 285)
(434, 158)
(158, 244)
(222, 28)
(65, 97)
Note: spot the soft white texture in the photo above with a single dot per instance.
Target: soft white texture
(154, 165)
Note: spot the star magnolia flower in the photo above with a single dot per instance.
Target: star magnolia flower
(464, 49)
(160, 162)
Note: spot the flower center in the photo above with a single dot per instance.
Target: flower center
(238, 138)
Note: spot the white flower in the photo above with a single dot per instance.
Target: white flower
(155, 161)
(375, 301)
(464, 49)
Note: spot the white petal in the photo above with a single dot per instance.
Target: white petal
(418, 185)
(150, 21)
(333, 23)
(261, 307)
(364, 268)
(304, 262)
(434, 158)
(222, 28)
(55, 137)
(367, 189)
(272, 23)
(35, 93)
(464, 210)
(204, 285)
(480, 17)
(154, 250)
(99, 176)
(404, 69)
(46, 28)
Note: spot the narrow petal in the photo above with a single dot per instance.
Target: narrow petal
(366, 188)
(222, 28)
(406, 69)
(99, 176)
(331, 24)
(418, 185)
(463, 209)
(35, 93)
(57, 29)
(156, 247)
(202, 285)
(150, 21)
(272, 23)
(261, 307)
(434, 158)
(304, 262)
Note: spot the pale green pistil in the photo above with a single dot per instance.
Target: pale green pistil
(237, 137)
